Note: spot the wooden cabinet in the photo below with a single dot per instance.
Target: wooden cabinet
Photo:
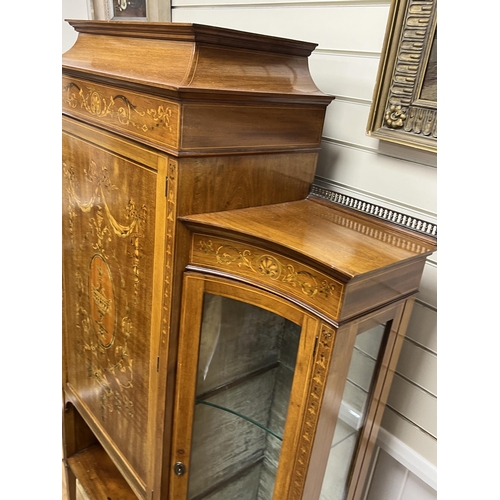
(226, 334)
(340, 286)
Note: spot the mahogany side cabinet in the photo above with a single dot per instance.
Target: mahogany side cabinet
(227, 333)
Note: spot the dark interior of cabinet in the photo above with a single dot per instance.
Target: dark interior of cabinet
(245, 372)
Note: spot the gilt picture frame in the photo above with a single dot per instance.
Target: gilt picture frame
(404, 104)
(130, 10)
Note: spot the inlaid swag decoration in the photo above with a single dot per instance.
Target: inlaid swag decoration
(103, 334)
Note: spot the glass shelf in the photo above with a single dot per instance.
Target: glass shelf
(248, 419)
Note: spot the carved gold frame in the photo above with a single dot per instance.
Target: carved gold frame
(156, 10)
(399, 113)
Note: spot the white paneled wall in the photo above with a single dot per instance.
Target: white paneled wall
(350, 35)
(392, 481)
(303, 21)
(72, 9)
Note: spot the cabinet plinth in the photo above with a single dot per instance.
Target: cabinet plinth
(218, 322)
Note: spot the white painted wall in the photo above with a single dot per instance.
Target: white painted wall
(393, 481)
(72, 9)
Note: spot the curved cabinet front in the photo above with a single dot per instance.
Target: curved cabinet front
(251, 373)
(274, 402)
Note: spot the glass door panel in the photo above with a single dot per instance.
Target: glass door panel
(353, 411)
(245, 372)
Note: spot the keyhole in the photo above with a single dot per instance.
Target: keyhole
(179, 468)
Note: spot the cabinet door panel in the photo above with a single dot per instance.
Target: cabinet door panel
(356, 397)
(108, 231)
(243, 392)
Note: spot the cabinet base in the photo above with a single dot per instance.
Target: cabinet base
(98, 477)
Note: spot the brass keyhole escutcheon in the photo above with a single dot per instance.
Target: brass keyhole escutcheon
(179, 468)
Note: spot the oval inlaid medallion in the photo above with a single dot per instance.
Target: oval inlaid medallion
(102, 301)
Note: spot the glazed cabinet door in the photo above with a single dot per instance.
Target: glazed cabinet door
(356, 397)
(246, 401)
(347, 443)
(113, 257)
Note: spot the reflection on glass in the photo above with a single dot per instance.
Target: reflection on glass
(245, 371)
(362, 371)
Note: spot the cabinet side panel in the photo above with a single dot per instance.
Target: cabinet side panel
(213, 184)
(235, 127)
(376, 290)
(108, 235)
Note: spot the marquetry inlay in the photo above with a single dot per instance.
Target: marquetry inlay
(107, 356)
(269, 268)
(151, 118)
(169, 246)
(198, 268)
(324, 350)
(102, 301)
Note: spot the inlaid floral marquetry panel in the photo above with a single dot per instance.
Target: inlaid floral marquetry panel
(150, 118)
(108, 233)
(271, 270)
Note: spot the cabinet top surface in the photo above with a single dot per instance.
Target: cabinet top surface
(337, 238)
(192, 32)
(183, 60)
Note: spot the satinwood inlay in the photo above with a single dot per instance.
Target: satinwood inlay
(313, 406)
(321, 291)
(146, 116)
(102, 301)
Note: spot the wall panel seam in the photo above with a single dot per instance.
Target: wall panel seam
(404, 417)
(431, 263)
(351, 100)
(403, 484)
(331, 3)
(416, 385)
(425, 304)
(408, 458)
(350, 145)
(372, 150)
(422, 302)
(367, 54)
(408, 338)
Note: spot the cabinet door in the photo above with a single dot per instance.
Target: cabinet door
(356, 398)
(372, 363)
(111, 206)
(246, 401)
